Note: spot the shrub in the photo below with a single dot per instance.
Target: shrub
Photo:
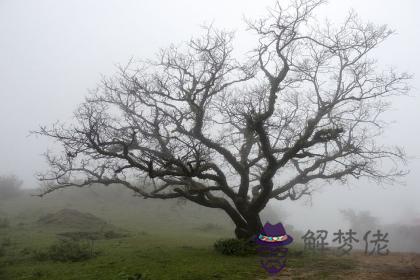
(110, 234)
(91, 235)
(235, 247)
(65, 251)
(136, 276)
(26, 251)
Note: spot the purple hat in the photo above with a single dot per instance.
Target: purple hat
(274, 235)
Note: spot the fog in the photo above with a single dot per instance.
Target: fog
(53, 52)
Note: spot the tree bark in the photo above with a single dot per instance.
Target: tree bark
(252, 228)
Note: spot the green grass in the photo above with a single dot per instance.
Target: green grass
(164, 241)
(159, 256)
(174, 255)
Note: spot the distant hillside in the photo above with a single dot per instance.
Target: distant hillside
(117, 205)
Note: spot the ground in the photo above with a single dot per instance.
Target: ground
(147, 240)
(178, 255)
(394, 266)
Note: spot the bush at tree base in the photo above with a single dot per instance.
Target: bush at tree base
(235, 247)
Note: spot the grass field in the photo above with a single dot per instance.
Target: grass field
(163, 241)
(169, 255)
(165, 256)
(157, 241)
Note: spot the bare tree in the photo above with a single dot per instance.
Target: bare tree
(200, 125)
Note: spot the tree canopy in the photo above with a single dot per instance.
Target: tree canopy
(197, 123)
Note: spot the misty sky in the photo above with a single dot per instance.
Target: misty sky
(52, 52)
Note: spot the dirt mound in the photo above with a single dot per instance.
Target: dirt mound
(73, 219)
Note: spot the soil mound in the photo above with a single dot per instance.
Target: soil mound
(73, 219)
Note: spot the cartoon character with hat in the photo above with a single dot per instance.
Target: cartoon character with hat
(270, 247)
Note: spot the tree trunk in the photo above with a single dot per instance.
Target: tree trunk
(247, 224)
(252, 228)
